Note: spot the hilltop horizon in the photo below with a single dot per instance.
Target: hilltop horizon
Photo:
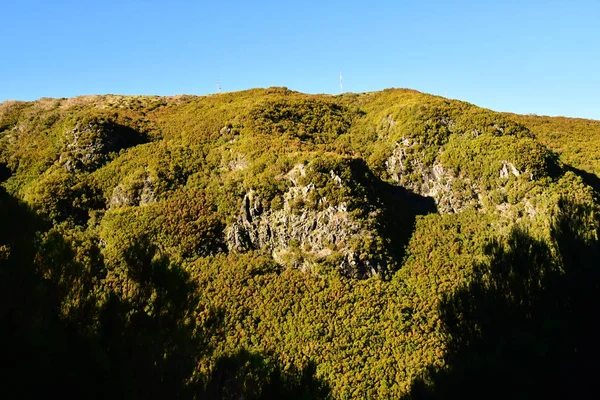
(295, 91)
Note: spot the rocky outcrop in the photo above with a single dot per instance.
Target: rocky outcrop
(234, 162)
(134, 192)
(300, 236)
(410, 171)
(89, 144)
(86, 147)
(507, 169)
(452, 192)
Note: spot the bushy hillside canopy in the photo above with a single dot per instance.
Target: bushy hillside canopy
(269, 244)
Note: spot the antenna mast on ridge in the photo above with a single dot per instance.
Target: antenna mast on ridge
(218, 87)
(341, 86)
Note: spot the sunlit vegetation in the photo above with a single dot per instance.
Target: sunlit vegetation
(273, 244)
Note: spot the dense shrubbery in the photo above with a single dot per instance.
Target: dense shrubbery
(117, 279)
(576, 140)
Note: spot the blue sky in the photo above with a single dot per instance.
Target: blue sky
(539, 57)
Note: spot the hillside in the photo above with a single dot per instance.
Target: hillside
(269, 243)
(576, 140)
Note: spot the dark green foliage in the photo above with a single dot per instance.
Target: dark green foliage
(186, 225)
(250, 376)
(521, 326)
(61, 196)
(74, 330)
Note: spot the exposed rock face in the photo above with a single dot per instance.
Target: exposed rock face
(452, 192)
(507, 169)
(433, 181)
(86, 148)
(235, 162)
(133, 193)
(89, 144)
(299, 236)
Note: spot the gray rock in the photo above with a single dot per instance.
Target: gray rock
(134, 192)
(299, 237)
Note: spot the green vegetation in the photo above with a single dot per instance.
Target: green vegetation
(272, 244)
(576, 140)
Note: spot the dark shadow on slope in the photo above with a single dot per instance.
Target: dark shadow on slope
(132, 334)
(5, 172)
(114, 136)
(32, 336)
(149, 338)
(398, 207)
(123, 137)
(588, 178)
(93, 143)
(246, 375)
(135, 340)
(526, 326)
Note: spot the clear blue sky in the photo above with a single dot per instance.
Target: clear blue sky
(523, 56)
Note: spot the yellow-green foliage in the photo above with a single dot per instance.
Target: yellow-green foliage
(186, 225)
(482, 158)
(116, 272)
(576, 140)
